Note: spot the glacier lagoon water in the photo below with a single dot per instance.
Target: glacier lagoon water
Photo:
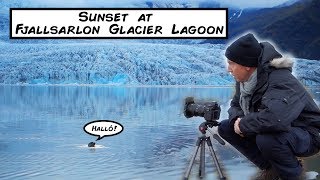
(42, 133)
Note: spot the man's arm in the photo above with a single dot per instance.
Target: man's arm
(280, 105)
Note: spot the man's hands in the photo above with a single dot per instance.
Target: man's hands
(236, 127)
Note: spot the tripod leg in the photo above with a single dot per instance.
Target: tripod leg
(215, 159)
(202, 158)
(199, 142)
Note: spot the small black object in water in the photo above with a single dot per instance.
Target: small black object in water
(91, 144)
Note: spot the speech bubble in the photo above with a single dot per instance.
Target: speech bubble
(102, 128)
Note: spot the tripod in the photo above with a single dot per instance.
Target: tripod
(203, 127)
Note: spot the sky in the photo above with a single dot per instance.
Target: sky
(252, 3)
(127, 3)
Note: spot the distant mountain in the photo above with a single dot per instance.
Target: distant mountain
(287, 3)
(294, 28)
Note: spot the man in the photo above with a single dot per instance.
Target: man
(272, 118)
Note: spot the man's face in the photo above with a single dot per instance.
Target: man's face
(239, 72)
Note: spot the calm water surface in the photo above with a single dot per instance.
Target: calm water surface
(42, 137)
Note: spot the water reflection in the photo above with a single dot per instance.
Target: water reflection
(41, 133)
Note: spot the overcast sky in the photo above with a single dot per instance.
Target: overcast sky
(252, 3)
(127, 3)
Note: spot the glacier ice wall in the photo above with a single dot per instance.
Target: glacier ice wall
(124, 63)
(113, 63)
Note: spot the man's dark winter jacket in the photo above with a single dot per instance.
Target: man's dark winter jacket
(279, 100)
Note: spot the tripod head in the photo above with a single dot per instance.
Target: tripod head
(203, 127)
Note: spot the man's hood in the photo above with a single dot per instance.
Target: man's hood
(284, 62)
(269, 60)
(270, 57)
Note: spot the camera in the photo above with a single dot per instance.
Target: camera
(210, 111)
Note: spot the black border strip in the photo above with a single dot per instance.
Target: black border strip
(10, 30)
(226, 9)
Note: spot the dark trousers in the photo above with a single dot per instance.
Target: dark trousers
(276, 150)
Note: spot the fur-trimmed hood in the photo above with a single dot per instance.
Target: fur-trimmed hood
(271, 58)
(283, 62)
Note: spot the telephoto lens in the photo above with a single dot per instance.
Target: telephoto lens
(210, 111)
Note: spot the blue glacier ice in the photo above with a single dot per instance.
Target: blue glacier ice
(119, 62)
(124, 63)
(116, 63)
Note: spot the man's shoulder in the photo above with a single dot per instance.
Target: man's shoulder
(280, 76)
(283, 81)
